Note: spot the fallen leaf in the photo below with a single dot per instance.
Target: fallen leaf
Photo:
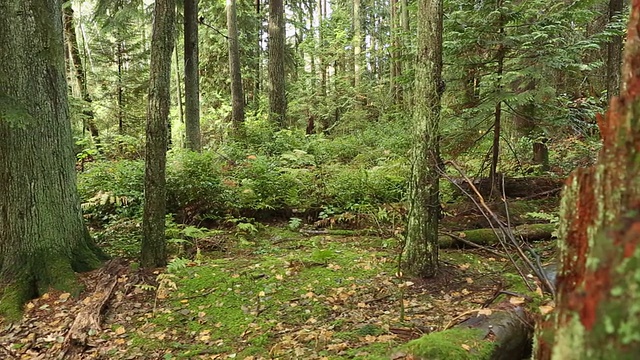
(485, 312)
(516, 300)
(545, 309)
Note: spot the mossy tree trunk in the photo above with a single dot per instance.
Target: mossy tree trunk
(154, 244)
(420, 254)
(597, 314)
(191, 77)
(277, 93)
(43, 239)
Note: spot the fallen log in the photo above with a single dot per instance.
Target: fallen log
(520, 187)
(88, 320)
(484, 237)
(503, 333)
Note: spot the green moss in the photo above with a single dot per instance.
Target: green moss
(14, 295)
(453, 344)
(256, 297)
(56, 272)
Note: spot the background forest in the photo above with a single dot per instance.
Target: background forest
(290, 134)
(343, 144)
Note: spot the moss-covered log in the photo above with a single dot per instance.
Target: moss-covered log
(530, 232)
(43, 240)
(502, 335)
(598, 313)
(523, 187)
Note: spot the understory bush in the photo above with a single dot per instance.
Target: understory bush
(290, 173)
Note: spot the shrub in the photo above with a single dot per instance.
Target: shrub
(261, 183)
(194, 185)
(111, 189)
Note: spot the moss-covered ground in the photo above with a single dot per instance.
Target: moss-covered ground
(278, 295)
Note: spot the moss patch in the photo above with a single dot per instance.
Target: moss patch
(458, 344)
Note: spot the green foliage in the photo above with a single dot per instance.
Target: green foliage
(545, 53)
(194, 185)
(112, 189)
(552, 218)
(294, 223)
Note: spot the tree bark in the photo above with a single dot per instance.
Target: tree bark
(43, 240)
(237, 98)
(596, 314)
(277, 90)
(153, 252)
(420, 253)
(191, 77)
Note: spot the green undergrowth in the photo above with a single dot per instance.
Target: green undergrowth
(287, 297)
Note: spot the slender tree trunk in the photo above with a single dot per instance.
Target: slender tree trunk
(75, 62)
(406, 65)
(420, 253)
(614, 53)
(258, 56)
(497, 123)
(237, 98)
(120, 87)
(357, 44)
(179, 87)
(393, 74)
(43, 240)
(153, 252)
(596, 314)
(322, 73)
(191, 76)
(277, 91)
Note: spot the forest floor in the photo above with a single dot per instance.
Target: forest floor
(279, 295)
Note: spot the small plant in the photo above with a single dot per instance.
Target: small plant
(551, 218)
(295, 223)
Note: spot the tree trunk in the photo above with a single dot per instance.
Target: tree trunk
(258, 57)
(596, 314)
(153, 252)
(614, 53)
(420, 253)
(120, 87)
(277, 91)
(179, 88)
(404, 45)
(495, 150)
(78, 70)
(191, 76)
(357, 44)
(43, 240)
(322, 67)
(237, 98)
